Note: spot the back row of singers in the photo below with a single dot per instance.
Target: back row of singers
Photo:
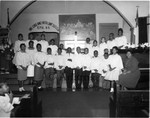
(36, 63)
(119, 41)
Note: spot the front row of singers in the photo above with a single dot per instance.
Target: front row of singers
(37, 65)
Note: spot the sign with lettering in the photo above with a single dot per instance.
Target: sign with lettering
(43, 25)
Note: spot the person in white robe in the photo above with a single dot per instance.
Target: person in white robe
(114, 68)
(18, 42)
(69, 62)
(95, 69)
(7, 100)
(86, 63)
(121, 40)
(111, 42)
(22, 63)
(94, 47)
(78, 57)
(102, 46)
(44, 43)
(30, 71)
(88, 44)
(60, 66)
(53, 47)
(49, 69)
(39, 62)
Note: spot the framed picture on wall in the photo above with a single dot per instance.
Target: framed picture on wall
(82, 26)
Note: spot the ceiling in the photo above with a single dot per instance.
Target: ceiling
(74, 7)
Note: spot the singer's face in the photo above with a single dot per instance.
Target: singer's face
(5, 88)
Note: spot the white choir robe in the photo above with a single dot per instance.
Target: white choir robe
(121, 41)
(17, 45)
(35, 43)
(30, 70)
(95, 64)
(105, 65)
(54, 49)
(6, 106)
(49, 59)
(102, 46)
(59, 61)
(115, 61)
(39, 57)
(91, 52)
(86, 61)
(70, 64)
(111, 44)
(78, 60)
(44, 45)
(22, 58)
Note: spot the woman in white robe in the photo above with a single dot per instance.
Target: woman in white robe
(39, 62)
(102, 46)
(22, 63)
(114, 68)
(31, 51)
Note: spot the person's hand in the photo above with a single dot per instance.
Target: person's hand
(60, 67)
(10, 96)
(104, 71)
(95, 70)
(25, 96)
(84, 67)
(77, 67)
(51, 64)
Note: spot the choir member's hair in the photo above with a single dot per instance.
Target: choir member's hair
(52, 40)
(129, 50)
(42, 35)
(31, 42)
(115, 47)
(20, 35)
(22, 44)
(38, 45)
(49, 49)
(120, 29)
(86, 49)
(2, 84)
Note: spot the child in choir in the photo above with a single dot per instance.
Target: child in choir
(102, 46)
(7, 100)
(31, 38)
(59, 65)
(31, 51)
(78, 68)
(94, 47)
(62, 48)
(44, 43)
(49, 69)
(111, 42)
(95, 66)
(88, 44)
(18, 42)
(69, 67)
(86, 62)
(105, 68)
(121, 40)
(22, 63)
(114, 68)
(53, 47)
(39, 61)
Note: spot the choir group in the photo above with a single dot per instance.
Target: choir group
(95, 63)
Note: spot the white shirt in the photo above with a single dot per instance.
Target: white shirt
(86, 61)
(111, 44)
(116, 61)
(22, 58)
(54, 49)
(95, 64)
(59, 61)
(121, 41)
(17, 45)
(44, 45)
(6, 106)
(31, 53)
(68, 63)
(102, 46)
(49, 59)
(78, 60)
(39, 57)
